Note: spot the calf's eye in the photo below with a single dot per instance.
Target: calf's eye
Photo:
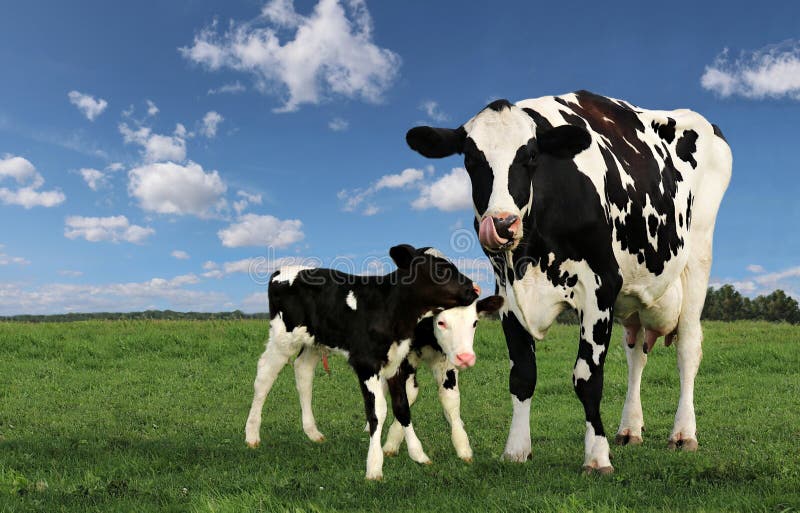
(475, 324)
(442, 324)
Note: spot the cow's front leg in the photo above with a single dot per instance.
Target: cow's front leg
(375, 409)
(394, 438)
(447, 377)
(632, 422)
(402, 414)
(521, 384)
(587, 378)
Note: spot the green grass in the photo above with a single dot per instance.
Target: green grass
(149, 416)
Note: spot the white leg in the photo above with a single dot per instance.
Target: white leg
(597, 455)
(394, 439)
(304, 366)
(372, 386)
(632, 422)
(269, 365)
(518, 445)
(415, 446)
(690, 352)
(450, 397)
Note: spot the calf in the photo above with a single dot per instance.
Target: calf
(371, 319)
(443, 341)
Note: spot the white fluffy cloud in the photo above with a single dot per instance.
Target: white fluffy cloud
(258, 230)
(157, 293)
(152, 109)
(245, 200)
(90, 106)
(232, 88)
(93, 178)
(449, 193)
(112, 229)
(9, 260)
(338, 124)
(180, 254)
(157, 147)
(433, 111)
(28, 181)
(331, 52)
(170, 188)
(354, 199)
(210, 122)
(763, 282)
(769, 72)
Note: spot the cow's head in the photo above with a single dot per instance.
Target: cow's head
(502, 149)
(454, 329)
(432, 279)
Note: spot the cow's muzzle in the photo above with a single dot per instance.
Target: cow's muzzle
(497, 232)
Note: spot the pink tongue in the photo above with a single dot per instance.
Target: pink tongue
(488, 235)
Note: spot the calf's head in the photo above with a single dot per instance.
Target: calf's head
(454, 329)
(433, 280)
(502, 146)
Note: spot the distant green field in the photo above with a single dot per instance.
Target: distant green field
(149, 416)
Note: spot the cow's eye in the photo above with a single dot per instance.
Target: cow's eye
(442, 324)
(475, 324)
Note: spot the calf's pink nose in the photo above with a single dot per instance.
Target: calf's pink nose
(466, 359)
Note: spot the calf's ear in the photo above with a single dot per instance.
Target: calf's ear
(402, 255)
(436, 143)
(564, 141)
(489, 304)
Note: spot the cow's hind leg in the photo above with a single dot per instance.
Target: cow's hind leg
(394, 438)
(521, 384)
(375, 409)
(689, 348)
(304, 366)
(274, 358)
(632, 423)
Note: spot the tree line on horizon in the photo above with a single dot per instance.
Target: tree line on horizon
(722, 304)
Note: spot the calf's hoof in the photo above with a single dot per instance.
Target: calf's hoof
(390, 452)
(253, 444)
(374, 477)
(685, 444)
(467, 459)
(603, 471)
(517, 457)
(315, 436)
(627, 439)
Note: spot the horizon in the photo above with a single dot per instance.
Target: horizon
(160, 172)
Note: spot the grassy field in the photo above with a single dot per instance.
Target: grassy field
(149, 416)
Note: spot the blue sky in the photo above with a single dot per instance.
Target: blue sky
(166, 154)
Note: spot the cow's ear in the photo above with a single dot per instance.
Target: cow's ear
(490, 304)
(563, 142)
(436, 143)
(403, 255)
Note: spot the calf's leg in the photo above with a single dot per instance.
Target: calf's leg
(375, 409)
(304, 366)
(394, 438)
(447, 378)
(402, 413)
(270, 364)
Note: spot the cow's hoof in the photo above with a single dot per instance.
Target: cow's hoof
(684, 444)
(627, 439)
(253, 444)
(603, 471)
(467, 459)
(517, 457)
(374, 477)
(315, 436)
(390, 452)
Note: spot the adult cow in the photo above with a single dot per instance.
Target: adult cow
(589, 202)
